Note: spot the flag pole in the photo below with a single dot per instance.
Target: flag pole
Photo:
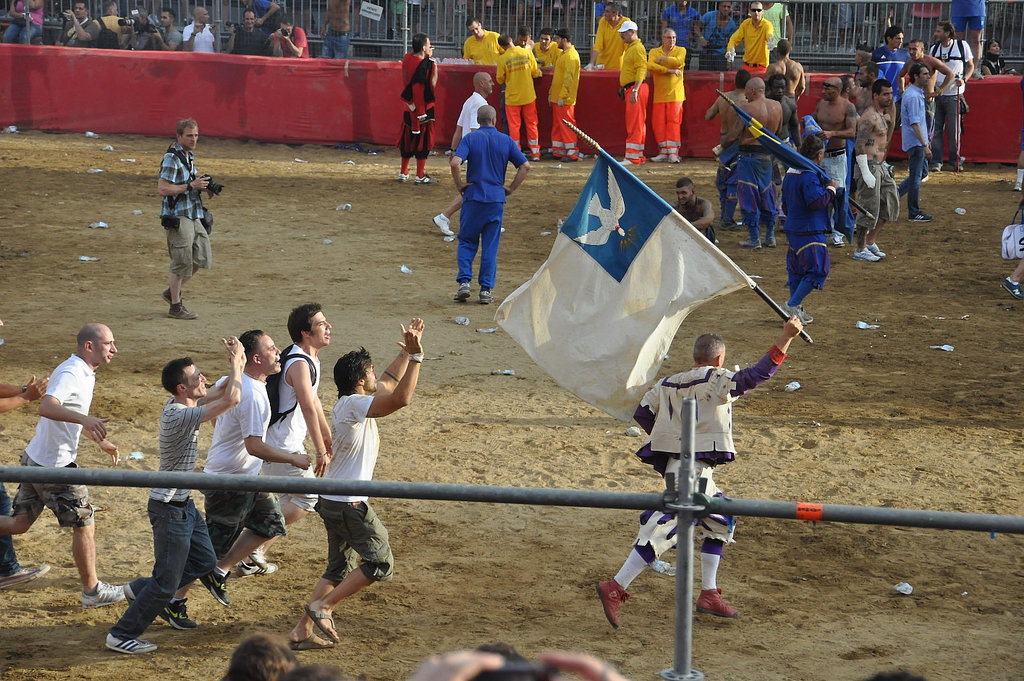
(757, 289)
(760, 126)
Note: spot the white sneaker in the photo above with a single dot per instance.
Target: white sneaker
(246, 569)
(865, 255)
(837, 239)
(443, 223)
(106, 594)
(672, 158)
(403, 177)
(660, 158)
(1016, 187)
(130, 646)
(876, 250)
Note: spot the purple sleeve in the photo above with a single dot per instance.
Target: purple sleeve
(644, 418)
(751, 377)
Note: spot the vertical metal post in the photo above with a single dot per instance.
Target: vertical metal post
(684, 552)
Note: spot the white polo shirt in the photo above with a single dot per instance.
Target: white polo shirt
(246, 419)
(55, 443)
(204, 39)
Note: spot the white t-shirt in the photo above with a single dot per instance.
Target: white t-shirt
(55, 443)
(289, 433)
(204, 39)
(355, 443)
(467, 119)
(246, 419)
(955, 57)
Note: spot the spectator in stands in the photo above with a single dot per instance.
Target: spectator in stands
(717, 26)
(791, 69)
(992, 63)
(169, 36)
(666, 66)
(200, 35)
(337, 30)
(144, 34)
(757, 36)
(481, 46)
(260, 657)
(112, 23)
(684, 20)
(545, 51)
(79, 29)
(268, 15)
(969, 16)
(608, 46)
(31, 18)
(890, 58)
(778, 14)
(290, 40)
(245, 39)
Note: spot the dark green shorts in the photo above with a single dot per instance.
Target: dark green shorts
(353, 532)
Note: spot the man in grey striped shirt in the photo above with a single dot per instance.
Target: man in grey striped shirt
(181, 542)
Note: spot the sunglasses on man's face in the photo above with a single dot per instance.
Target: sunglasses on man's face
(756, 9)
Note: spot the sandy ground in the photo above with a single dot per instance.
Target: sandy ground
(882, 420)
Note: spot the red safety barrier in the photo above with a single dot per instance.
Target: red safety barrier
(320, 101)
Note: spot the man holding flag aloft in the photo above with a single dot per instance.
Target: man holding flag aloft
(660, 414)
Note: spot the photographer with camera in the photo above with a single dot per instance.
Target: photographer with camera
(290, 40)
(140, 29)
(20, 17)
(80, 30)
(114, 31)
(200, 35)
(187, 222)
(168, 37)
(245, 39)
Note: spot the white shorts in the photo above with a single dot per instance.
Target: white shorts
(285, 470)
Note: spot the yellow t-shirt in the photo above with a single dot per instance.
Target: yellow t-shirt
(545, 59)
(755, 41)
(565, 83)
(484, 52)
(634, 63)
(516, 69)
(667, 88)
(608, 46)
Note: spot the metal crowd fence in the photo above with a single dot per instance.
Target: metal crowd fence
(824, 36)
(679, 497)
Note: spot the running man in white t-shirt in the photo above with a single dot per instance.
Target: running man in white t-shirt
(353, 529)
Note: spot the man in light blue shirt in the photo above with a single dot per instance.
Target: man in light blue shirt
(915, 139)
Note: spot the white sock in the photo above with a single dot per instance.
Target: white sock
(1020, 175)
(709, 570)
(630, 570)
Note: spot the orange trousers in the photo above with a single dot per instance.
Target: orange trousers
(667, 121)
(528, 112)
(563, 140)
(636, 123)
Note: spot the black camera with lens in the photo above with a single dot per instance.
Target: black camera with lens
(235, 25)
(285, 32)
(127, 22)
(213, 187)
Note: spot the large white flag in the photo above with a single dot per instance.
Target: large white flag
(625, 270)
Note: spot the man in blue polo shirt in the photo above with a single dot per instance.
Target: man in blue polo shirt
(680, 17)
(487, 153)
(890, 58)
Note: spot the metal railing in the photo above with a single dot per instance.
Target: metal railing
(825, 33)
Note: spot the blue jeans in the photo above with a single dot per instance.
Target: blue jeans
(479, 225)
(336, 46)
(183, 552)
(8, 558)
(912, 185)
(16, 34)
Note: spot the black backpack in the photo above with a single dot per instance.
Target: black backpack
(274, 383)
(107, 39)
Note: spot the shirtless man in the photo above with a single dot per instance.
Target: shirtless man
(777, 90)
(917, 53)
(755, 191)
(866, 76)
(726, 180)
(837, 117)
(876, 188)
(790, 68)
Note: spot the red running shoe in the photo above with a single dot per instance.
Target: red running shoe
(612, 596)
(711, 602)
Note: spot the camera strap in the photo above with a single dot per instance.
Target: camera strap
(189, 164)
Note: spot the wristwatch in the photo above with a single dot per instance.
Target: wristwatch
(24, 389)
